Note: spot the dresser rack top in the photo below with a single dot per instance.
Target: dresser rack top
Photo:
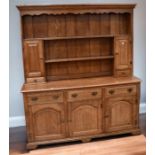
(75, 9)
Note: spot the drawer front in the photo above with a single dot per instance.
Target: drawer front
(78, 95)
(123, 73)
(117, 90)
(46, 97)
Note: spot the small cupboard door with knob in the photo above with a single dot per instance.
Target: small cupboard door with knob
(120, 113)
(34, 60)
(123, 56)
(48, 121)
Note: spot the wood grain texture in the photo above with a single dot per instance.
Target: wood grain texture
(52, 26)
(75, 9)
(18, 140)
(85, 118)
(34, 50)
(78, 83)
(113, 113)
(78, 71)
(48, 121)
(119, 113)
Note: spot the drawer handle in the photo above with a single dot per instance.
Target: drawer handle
(123, 73)
(94, 93)
(130, 90)
(55, 97)
(34, 98)
(111, 92)
(74, 95)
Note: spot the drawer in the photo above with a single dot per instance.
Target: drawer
(86, 94)
(46, 97)
(117, 90)
(123, 73)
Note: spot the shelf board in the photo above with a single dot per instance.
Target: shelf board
(72, 37)
(79, 59)
(76, 76)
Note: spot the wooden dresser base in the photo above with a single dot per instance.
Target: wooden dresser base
(63, 113)
(84, 139)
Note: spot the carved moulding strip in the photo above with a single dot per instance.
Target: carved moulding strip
(74, 9)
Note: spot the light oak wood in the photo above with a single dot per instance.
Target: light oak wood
(85, 118)
(120, 90)
(79, 59)
(48, 121)
(79, 83)
(75, 9)
(18, 140)
(47, 97)
(119, 113)
(34, 49)
(79, 72)
(84, 94)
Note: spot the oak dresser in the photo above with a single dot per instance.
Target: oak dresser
(78, 65)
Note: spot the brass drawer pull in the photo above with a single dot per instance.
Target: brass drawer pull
(55, 97)
(74, 95)
(123, 73)
(94, 93)
(34, 98)
(130, 90)
(111, 92)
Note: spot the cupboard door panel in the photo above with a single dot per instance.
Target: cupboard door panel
(122, 53)
(33, 50)
(120, 113)
(85, 118)
(48, 121)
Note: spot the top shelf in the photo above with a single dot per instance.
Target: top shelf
(72, 37)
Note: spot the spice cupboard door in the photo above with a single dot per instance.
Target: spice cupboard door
(34, 60)
(121, 113)
(48, 121)
(123, 56)
(85, 118)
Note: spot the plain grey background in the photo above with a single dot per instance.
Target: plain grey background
(16, 78)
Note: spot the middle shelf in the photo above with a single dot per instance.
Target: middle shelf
(79, 59)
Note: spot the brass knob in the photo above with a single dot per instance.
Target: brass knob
(55, 97)
(106, 116)
(94, 93)
(111, 92)
(74, 95)
(34, 98)
(130, 90)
